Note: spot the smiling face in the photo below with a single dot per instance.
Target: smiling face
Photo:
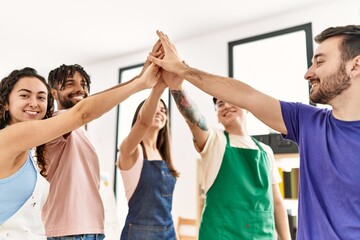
(160, 115)
(74, 90)
(27, 100)
(327, 75)
(229, 114)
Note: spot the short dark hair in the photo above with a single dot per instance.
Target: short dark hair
(350, 46)
(214, 100)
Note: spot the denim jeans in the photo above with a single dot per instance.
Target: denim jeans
(80, 237)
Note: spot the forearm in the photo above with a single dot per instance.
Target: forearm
(188, 108)
(224, 88)
(100, 103)
(281, 220)
(148, 110)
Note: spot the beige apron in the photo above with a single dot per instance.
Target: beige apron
(26, 223)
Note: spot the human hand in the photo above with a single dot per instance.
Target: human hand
(171, 61)
(156, 51)
(161, 85)
(150, 76)
(172, 80)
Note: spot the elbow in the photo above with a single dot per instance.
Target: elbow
(144, 122)
(83, 113)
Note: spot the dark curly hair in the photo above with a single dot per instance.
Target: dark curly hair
(6, 86)
(59, 75)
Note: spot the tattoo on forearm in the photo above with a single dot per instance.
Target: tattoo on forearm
(188, 109)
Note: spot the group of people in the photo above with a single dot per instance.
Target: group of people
(49, 170)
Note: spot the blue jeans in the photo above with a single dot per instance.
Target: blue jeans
(80, 237)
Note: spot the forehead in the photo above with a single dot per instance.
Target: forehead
(329, 47)
(76, 76)
(32, 84)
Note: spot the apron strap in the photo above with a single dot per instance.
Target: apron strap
(227, 138)
(257, 143)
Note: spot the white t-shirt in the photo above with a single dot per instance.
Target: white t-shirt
(214, 150)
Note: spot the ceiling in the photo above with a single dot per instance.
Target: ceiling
(46, 33)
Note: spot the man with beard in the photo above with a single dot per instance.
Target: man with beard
(74, 206)
(328, 139)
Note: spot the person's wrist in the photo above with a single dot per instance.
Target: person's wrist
(176, 87)
(182, 69)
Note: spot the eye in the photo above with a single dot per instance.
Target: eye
(42, 98)
(84, 85)
(318, 63)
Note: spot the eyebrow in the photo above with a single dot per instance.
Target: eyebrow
(27, 90)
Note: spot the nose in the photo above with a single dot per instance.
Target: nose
(310, 73)
(227, 105)
(33, 102)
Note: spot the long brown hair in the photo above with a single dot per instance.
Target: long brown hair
(6, 86)
(162, 142)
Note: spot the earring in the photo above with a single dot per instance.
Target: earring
(350, 76)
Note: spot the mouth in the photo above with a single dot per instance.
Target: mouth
(31, 113)
(77, 97)
(228, 112)
(314, 84)
(158, 118)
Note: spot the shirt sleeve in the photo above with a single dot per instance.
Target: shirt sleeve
(275, 175)
(211, 156)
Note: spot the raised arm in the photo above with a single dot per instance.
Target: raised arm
(129, 147)
(264, 107)
(21, 136)
(188, 109)
(34, 133)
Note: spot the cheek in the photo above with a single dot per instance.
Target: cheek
(43, 106)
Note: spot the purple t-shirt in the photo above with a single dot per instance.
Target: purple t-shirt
(329, 184)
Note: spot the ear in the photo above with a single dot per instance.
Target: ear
(54, 93)
(355, 66)
(6, 107)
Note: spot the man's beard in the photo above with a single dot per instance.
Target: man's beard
(67, 102)
(331, 86)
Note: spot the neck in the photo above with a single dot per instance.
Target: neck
(346, 106)
(237, 129)
(150, 139)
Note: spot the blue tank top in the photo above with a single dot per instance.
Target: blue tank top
(16, 189)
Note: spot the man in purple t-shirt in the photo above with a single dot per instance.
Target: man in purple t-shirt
(328, 140)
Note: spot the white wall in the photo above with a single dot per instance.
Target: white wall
(209, 53)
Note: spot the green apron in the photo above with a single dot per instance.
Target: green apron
(239, 204)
